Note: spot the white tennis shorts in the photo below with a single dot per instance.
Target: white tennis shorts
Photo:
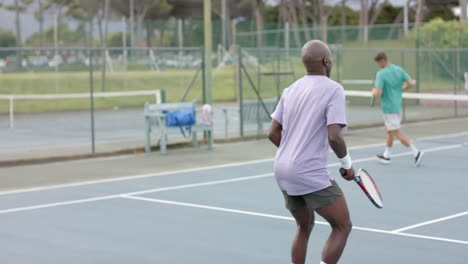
(392, 121)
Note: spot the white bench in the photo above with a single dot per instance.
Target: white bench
(155, 120)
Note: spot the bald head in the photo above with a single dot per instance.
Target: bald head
(316, 57)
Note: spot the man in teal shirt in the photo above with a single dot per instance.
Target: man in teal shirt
(390, 82)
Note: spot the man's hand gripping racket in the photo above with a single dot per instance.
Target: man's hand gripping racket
(367, 185)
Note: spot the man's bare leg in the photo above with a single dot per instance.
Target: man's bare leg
(402, 137)
(337, 215)
(389, 145)
(389, 139)
(304, 217)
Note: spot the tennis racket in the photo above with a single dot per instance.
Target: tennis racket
(368, 186)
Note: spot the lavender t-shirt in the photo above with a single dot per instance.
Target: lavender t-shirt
(305, 110)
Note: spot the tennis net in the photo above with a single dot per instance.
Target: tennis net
(416, 107)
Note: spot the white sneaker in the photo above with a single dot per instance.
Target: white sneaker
(418, 159)
(383, 159)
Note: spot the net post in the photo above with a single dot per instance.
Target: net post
(160, 96)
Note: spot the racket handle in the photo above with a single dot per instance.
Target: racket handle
(342, 172)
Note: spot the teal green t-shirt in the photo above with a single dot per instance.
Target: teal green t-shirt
(391, 79)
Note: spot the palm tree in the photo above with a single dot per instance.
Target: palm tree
(419, 12)
(18, 7)
(257, 8)
(363, 20)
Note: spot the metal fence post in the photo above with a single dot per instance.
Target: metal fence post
(12, 98)
(455, 82)
(418, 71)
(338, 60)
(402, 57)
(241, 110)
(259, 74)
(91, 95)
(203, 75)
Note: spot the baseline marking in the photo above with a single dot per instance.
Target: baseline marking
(49, 205)
(430, 222)
(185, 186)
(134, 177)
(243, 212)
(150, 175)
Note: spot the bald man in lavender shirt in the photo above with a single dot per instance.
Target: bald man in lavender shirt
(308, 119)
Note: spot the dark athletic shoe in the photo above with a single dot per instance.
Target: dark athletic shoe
(418, 159)
(383, 159)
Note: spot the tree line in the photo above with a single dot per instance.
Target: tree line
(93, 16)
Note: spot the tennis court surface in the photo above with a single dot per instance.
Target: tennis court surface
(233, 212)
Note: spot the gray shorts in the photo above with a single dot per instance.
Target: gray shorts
(313, 200)
(392, 121)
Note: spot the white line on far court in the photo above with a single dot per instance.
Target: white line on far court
(49, 205)
(428, 138)
(243, 212)
(135, 177)
(430, 222)
(193, 185)
(151, 175)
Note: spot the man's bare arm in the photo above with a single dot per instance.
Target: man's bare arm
(408, 84)
(336, 140)
(337, 143)
(275, 133)
(377, 92)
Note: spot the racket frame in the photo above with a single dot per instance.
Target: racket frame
(358, 180)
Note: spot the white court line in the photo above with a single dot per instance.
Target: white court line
(428, 138)
(49, 205)
(209, 207)
(419, 139)
(150, 175)
(112, 196)
(243, 212)
(430, 222)
(186, 186)
(455, 146)
(135, 177)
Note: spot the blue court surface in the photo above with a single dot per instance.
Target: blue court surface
(234, 214)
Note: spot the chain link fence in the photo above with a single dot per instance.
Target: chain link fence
(60, 81)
